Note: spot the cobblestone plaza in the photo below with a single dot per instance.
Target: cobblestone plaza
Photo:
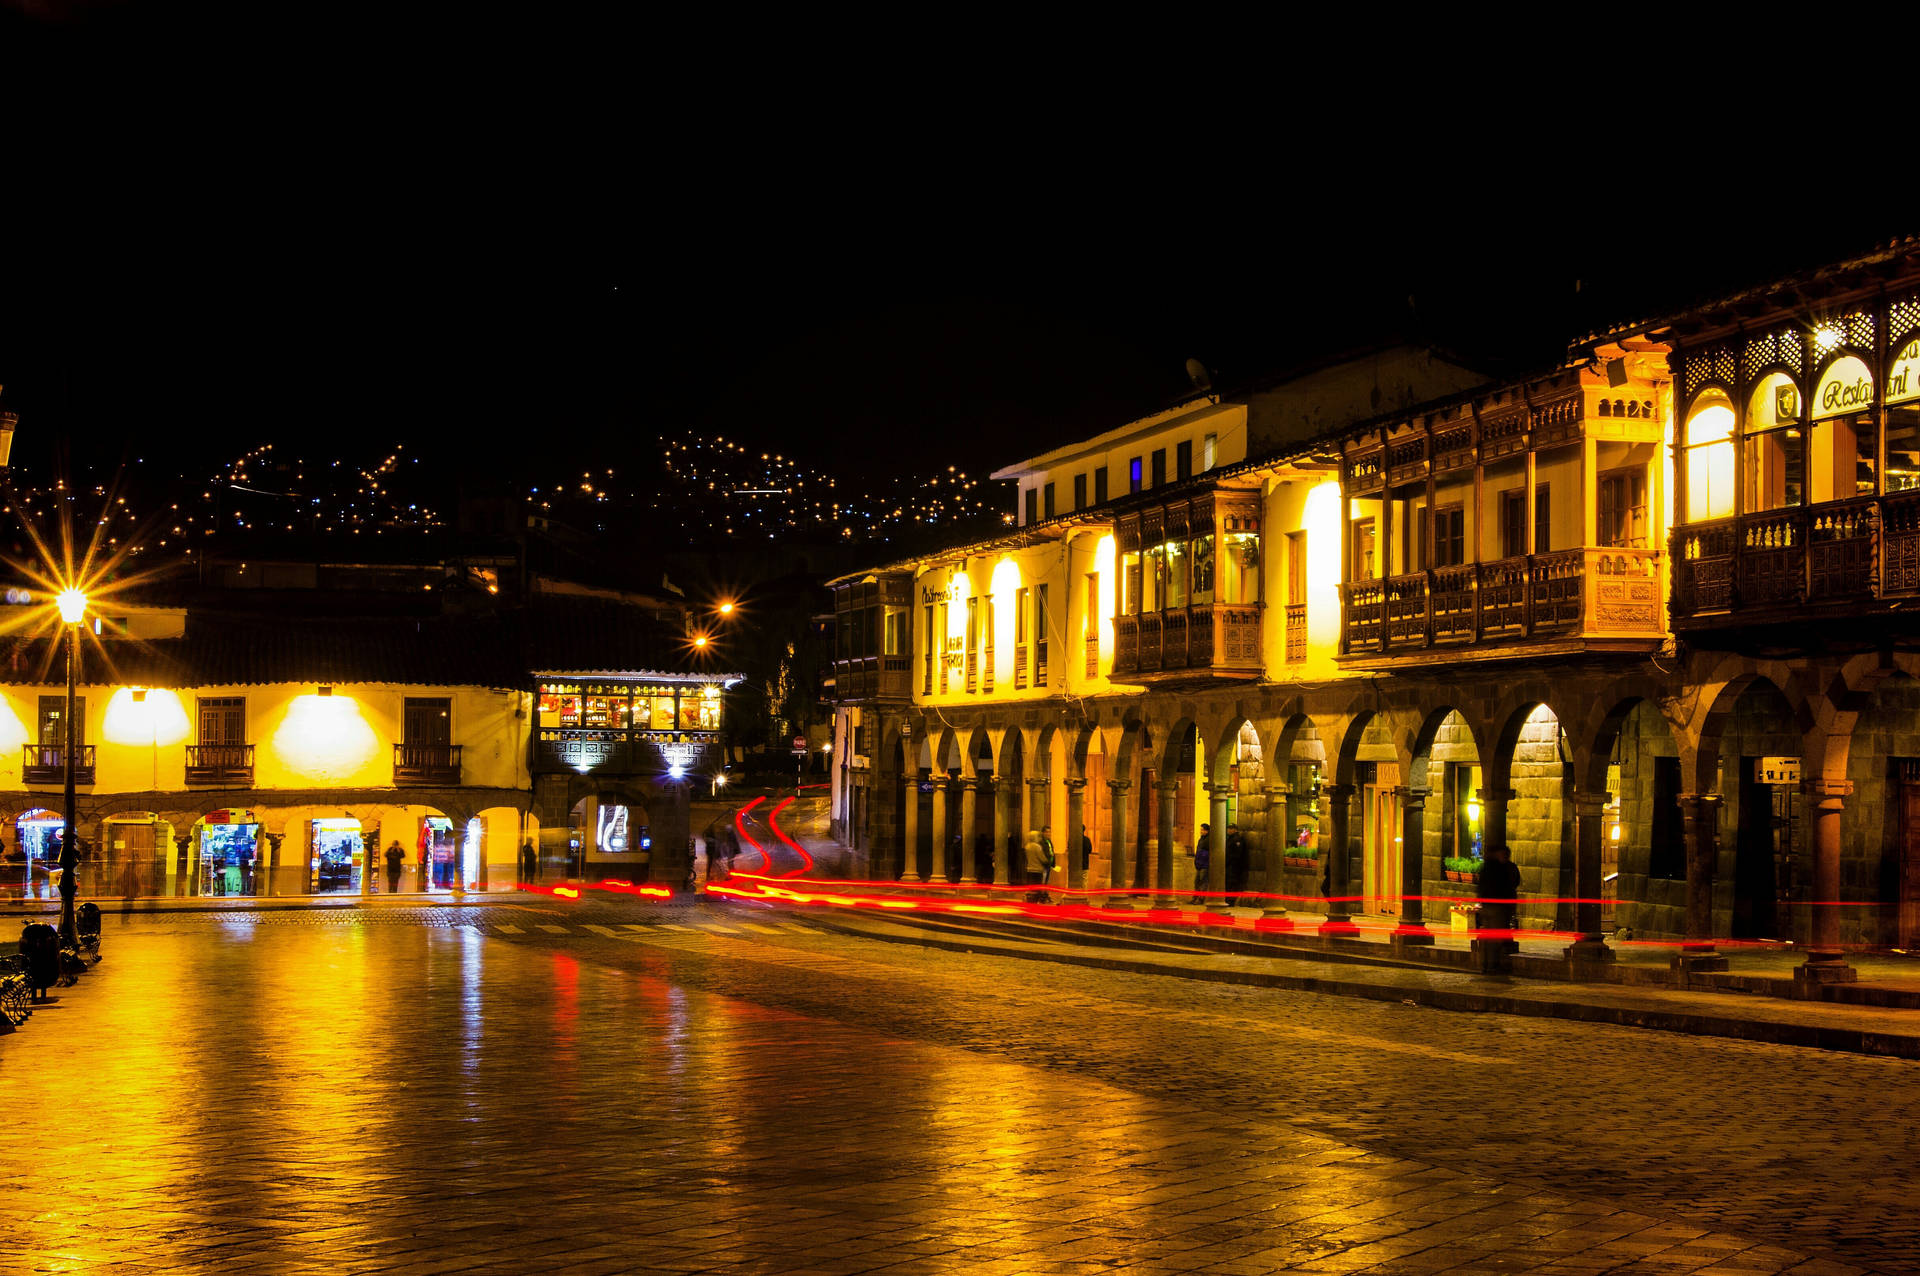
(602, 1089)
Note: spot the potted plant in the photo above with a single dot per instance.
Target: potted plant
(1461, 868)
(1302, 856)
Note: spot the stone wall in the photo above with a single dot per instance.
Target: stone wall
(1538, 833)
(1452, 743)
(1870, 837)
(1648, 905)
(1760, 725)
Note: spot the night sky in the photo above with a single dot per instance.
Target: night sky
(336, 250)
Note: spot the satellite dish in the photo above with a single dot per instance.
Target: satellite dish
(1197, 373)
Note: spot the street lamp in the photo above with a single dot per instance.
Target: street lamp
(73, 609)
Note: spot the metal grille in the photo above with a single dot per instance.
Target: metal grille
(1713, 364)
(1902, 318)
(1785, 346)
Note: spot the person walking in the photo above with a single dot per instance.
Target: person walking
(396, 860)
(1202, 861)
(1236, 864)
(1499, 909)
(1046, 853)
(529, 864)
(1035, 864)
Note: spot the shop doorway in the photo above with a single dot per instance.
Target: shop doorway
(439, 848)
(609, 839)
(1755, 878)
(226, 849)
(133, 861)
(1907, 798)
(337, 861)
(1383, 815)
(36, 840)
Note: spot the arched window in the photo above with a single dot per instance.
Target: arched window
(1774, 446)
(1843, 460)
(1709, 445)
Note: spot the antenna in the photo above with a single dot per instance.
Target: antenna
(1197, 373)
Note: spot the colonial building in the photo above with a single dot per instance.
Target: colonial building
(1639, 618)
(229, 747)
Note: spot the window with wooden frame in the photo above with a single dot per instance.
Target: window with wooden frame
(1090, 622)
(1040, 635)
(1513, 522)
(1020, 636)
(1365, 549)
(1622, 516)
(1443, 536)
(1079, 491)
(223, 720)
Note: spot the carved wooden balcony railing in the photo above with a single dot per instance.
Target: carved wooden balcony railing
(221, 764)
(1605, 593)
(426, 763)
(1202, 641)
(1020, 666)
(47, 764)
(1093, 655)
(1296, 633)
(1864, 551)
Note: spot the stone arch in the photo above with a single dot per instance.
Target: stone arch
(1533, 764)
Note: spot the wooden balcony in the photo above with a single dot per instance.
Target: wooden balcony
(1296, 633)
(1847, 558)
(221, 765)
(1577, 598)
(426, 763)
(47, 764)
(1210, 642)
(873, 678)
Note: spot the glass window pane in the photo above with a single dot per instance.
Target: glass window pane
(1903, 448)
(1176, 555)
(1153, 582)
(1240, 567)
(1203, 569)
(1130, 584)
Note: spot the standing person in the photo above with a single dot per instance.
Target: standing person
(1046, 853)
(1086, 849)
(1499, 906)
(396, 860)
(529, 864)
(1202, 861)
(1236, 864)
(1035, 860)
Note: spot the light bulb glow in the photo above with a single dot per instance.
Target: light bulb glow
(72, 604)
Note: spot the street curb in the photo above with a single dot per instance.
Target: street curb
(1812, 1036)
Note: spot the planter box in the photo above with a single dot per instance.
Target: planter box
(1296, 862)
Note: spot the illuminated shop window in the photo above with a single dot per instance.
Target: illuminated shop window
(1774, 446)
(1843, 459)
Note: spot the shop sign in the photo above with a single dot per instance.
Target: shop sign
(1903, 377)
(1845, 387)
(1779, 770)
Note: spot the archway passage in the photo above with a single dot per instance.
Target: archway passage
(609, 837)
(1531, 816)
(223, 855)
(1643, 850)
(1764, 817)
(35, 853)
(133, 860)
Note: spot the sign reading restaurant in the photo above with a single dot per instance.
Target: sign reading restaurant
(1844, 387)
(1903, 376)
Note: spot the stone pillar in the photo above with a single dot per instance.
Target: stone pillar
(1825, 962)
(1120, 859)
(1076, 823)
(1005, 793)
(1700, 822)
(1040, 808)
(937, 870)
(1162, 884)
(1278, 837)
(1588, 840)
(1216, 883)
(1412, 930)
(1337, 859)
(910, 829)
(969, 821)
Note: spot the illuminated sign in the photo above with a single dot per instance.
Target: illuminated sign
(1779, 770)
(1845, 387)
(1903, 376)
(612, 833)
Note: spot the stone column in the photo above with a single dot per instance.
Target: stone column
(1162, 884)
(1005, 793)
(1337, 859)
(1826, 962)
(1216, 883)
(1493, 825)
(937, 870)
(1412, 930)
(1120, 858)
(910, 830)
(1279, 837)
(1076, 822)
(1040, 807)
(1589, 838)
(969, 819)
(1700, 822)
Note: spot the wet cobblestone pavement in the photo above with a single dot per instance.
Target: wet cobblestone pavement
(605, 1089)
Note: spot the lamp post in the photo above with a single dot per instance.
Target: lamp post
(73, 609)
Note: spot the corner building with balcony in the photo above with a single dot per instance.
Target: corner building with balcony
(230, 751)
(1639, 618)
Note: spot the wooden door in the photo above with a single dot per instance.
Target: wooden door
(1384, 822)
(131, 864)
(429, 722)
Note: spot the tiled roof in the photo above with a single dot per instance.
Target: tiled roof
(493, 649)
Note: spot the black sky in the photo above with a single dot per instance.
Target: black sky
(224, 233)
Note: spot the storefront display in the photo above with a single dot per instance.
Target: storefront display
(337, 861)
(228, 854)
(32, 863)
(1303, 807)
(439, 851)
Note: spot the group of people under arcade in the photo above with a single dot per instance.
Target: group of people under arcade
(1236, 865)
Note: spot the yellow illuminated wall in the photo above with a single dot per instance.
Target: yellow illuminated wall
(301, 739)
